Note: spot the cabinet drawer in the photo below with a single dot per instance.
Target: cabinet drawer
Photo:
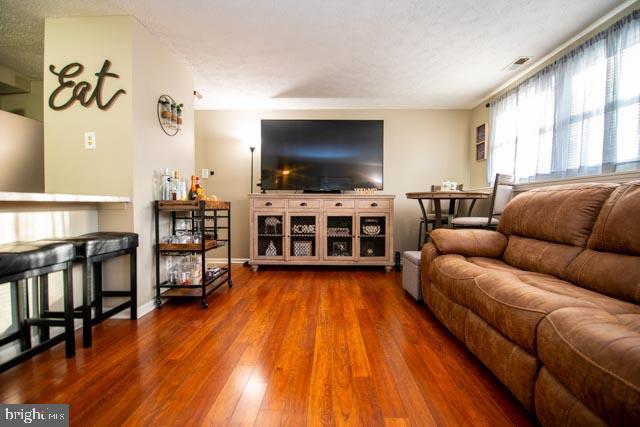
(339, 204)
(268, 203)
(303, 204)
(373, 204)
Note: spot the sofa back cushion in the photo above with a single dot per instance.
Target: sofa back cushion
(617, 228)
(562, 214)
(611, 264)
(539, 256)
(607, 273)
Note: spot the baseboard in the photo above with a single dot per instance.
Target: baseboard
(143, 310)
(224, 260)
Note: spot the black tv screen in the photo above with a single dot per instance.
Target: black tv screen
(321, 155)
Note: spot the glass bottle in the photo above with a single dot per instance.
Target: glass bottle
(179, 116)
(192, 192)
(174, 117)
(165, 183)
(174, 185)
(199, 189)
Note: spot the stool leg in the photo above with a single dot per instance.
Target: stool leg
(133, 272)
(23, 314)
(97, 288)
(87, 282)
(70, 339)
(43, 293)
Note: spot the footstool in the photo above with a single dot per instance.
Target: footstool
(411, 274)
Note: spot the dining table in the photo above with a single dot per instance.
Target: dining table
(454, 196)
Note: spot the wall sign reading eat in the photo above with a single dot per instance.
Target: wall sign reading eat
(69, 91)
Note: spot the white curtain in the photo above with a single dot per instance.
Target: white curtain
(578, 116)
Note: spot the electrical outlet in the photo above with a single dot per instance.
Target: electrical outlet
(90, 140)
(204, 173)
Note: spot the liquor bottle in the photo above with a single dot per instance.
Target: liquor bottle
(199, 190)
(193, 191)
(174, 186)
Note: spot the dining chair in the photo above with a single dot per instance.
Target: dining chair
(431, 213)
(500, 196)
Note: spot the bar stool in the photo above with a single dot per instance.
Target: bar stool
(91, 250)
(20, 261)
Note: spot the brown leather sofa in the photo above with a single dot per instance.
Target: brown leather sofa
(550, 301)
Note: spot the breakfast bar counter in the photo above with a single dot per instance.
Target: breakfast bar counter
(60, 198)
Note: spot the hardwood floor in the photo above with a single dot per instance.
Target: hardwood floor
(282, 347)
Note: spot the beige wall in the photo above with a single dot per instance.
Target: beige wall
(69, 167)
(27, 104)
(156, 72)
(131, 147)
(421, 147)
(21, 154)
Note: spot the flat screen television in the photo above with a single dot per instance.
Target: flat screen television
(321, 155)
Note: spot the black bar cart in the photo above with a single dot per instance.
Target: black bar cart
(211, 222)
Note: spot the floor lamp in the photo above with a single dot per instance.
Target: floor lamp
(252, 148)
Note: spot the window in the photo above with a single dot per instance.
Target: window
(578, 116)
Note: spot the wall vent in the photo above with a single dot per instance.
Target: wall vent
(519, 62)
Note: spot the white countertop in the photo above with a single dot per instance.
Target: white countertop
(64, 198)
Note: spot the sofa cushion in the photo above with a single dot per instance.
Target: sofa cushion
(596, 356)
(542, 257)
(454, 276)
(608, 273)
(617, 228)
(559, 214)
(514, 307)
(484, 243)
(511, 300)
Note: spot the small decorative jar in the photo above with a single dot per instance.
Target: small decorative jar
(179, 116)
(174, 117)
(165, 111)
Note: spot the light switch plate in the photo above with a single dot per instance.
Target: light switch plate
(90, 140)
(204, 174)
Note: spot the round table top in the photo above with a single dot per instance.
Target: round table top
(448, 195)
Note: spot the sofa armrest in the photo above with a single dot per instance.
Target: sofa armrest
(481, 243)
(428, 254)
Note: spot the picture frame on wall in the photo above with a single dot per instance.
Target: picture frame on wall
(481, 142)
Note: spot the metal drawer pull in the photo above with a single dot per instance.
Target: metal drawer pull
(374, 205)
(268, 204)
(338, 204)
(303, 204)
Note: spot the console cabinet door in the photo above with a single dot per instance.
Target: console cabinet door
(372, 237)
(302, 236)
(268, 235)
(339, 237)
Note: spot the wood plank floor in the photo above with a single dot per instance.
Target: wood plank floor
(282, 347)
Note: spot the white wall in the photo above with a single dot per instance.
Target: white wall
(421, 147)
(156, 72)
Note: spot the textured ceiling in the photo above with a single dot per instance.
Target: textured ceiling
(326, 53)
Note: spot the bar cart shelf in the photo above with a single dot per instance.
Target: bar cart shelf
(213, 220)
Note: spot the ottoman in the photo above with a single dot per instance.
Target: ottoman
(411, 274)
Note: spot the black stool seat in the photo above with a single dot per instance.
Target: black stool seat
(92, 250)
(104, 242)
(21, 262)
(18, 257)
